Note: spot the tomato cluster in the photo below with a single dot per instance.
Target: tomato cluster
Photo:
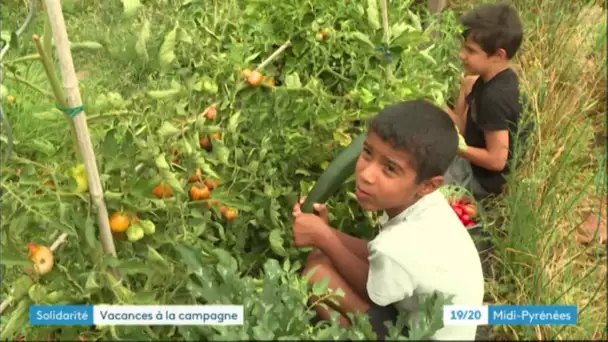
(466, 211)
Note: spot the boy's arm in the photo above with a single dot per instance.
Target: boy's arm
(349, 265)
(492, 119)
(353, 244)
(494, 156)
(459, 113)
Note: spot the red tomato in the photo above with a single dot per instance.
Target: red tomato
(458, 210)
(465, 218)
(470, 224)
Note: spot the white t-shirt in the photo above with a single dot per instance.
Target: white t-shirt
(426, 249)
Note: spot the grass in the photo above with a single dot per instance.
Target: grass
(562, 67)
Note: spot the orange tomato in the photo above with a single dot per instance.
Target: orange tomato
(211, 113)
(211, 203)
(197, 177)
(255, 78)
(162, 190)
(199, 193)
(217, 135)
(119, 222)
(212, 184)
(205, 143)
(245, 73)
(230, 214)
(223, 209)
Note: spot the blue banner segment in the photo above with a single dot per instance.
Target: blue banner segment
(61, 315)
(533, 314)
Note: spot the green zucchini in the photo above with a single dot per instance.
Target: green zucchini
(335, 175)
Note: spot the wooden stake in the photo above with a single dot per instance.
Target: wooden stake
(70, 83)
(274, 55)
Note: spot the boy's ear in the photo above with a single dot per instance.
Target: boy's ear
(430, 185)
(501, 53)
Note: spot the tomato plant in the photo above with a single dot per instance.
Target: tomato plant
(203, 155)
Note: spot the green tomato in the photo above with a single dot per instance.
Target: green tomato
(135, 232)
(148, 227)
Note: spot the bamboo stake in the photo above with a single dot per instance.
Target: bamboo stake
(51, 74)
(70, 82)
(274, 55)
(387, 34)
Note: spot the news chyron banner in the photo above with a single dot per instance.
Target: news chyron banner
(136, 315)
(234, 315)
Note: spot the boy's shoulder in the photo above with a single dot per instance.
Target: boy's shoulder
(502, 91)
(503, 84)
(430, 213)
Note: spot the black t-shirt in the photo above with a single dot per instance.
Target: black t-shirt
(493, 105)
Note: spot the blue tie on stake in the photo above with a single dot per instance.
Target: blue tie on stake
(387, 53)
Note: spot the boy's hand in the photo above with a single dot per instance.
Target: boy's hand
(467, 81)
(320, 208)
(462, 144)
(308, 229)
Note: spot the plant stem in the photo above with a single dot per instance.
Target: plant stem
(29, 84)
(57, 90)
(274, 55)
(32, 57)
(5, 304)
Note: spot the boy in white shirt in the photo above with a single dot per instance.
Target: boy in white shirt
(422, 246)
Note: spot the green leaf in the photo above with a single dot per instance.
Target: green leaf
(163, 94)
(154, 256)
(13, 260)
(292, 81)
(144, 36)
(167, 129)
(320, 288)
(167, 49)
(171, 179)
(363, 38)
(161, 162)
(89, 232)
(134, 267)
(233, 122)
(205, 168)
(276, 242)
(373, 15)
(190, 256)
(221, 151)
(183, 36)
(130, 6)
(398, 28)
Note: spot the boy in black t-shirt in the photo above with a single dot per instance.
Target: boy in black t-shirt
(488, 108)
